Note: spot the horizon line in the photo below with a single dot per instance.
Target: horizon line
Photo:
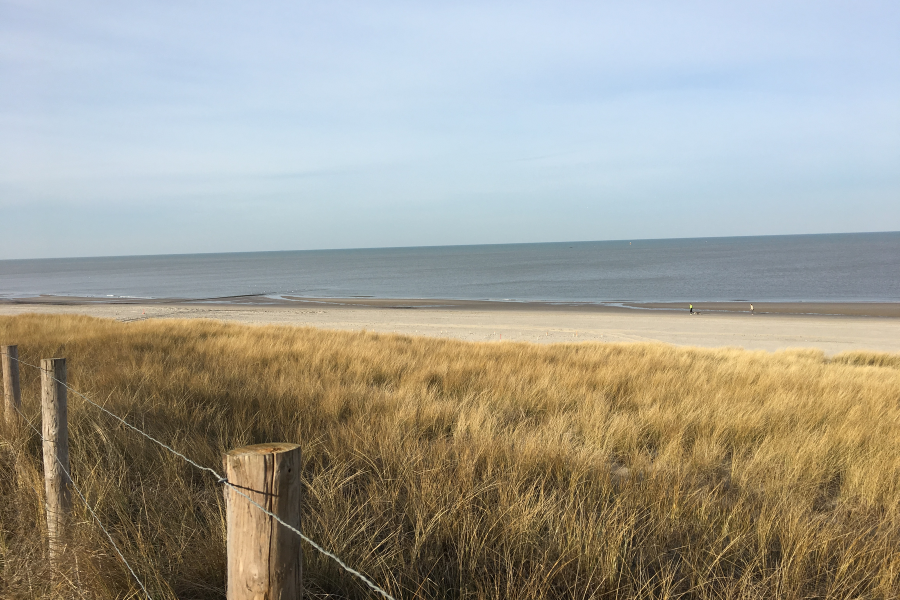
(714, 237)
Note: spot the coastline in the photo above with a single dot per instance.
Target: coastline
(798, 308)
(829, 327)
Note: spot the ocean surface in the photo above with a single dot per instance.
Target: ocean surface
(836, 267)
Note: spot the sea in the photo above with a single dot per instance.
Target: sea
(855, 267)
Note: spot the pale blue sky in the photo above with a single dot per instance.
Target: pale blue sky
(169, 127)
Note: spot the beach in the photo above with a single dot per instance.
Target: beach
(428, 462)
(829, 327)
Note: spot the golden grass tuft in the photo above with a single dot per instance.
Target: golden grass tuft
(445, 469)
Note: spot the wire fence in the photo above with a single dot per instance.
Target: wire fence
(219, 480)
(88, 506)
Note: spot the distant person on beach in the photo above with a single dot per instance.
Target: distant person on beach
(691, 307)
(751, 309)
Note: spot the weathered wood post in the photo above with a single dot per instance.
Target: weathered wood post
(264, 557)
(11, 391)
(56, 452)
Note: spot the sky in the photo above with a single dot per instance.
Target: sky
(188, 126)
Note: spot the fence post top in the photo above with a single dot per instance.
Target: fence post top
(269, 448)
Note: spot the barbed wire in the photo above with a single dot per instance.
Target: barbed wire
(219, 480)
(87, 505)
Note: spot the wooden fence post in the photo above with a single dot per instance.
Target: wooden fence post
(264, 557)
(11, 390)
(56, 452)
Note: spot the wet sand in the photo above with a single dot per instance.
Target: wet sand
(831, 327)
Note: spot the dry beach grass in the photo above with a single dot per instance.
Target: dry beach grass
(447, 469)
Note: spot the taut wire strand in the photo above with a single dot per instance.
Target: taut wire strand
(219, 479)
(126, 423)
(91, 510)
(342, 564)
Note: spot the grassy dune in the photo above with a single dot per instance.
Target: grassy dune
(445, 469)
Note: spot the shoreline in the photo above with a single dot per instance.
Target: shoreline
(799, 308)
(838, 327)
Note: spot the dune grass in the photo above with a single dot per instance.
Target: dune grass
(446, 469)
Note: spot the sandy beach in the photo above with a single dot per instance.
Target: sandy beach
(830, 327)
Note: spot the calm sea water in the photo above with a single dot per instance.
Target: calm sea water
(838, 267)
